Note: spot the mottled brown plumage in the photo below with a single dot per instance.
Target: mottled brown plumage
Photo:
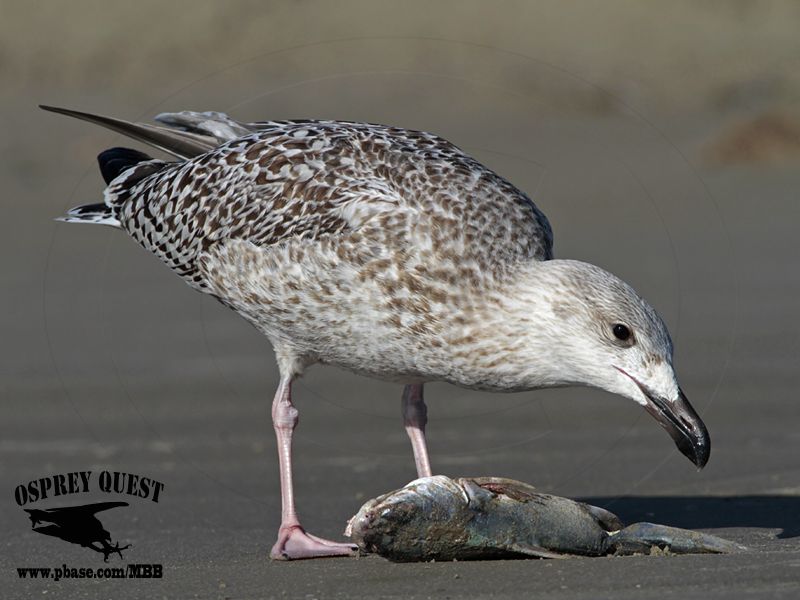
(390, 253)
(326, 180)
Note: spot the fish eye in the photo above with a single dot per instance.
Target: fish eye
(621, 332)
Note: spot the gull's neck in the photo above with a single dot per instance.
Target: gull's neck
(520, 341)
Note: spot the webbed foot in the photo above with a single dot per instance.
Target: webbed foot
(294, 543)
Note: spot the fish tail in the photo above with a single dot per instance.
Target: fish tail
(647, 538)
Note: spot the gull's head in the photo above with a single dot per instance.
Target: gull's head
(607, 336)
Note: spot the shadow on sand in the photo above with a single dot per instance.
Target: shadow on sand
(709, 512)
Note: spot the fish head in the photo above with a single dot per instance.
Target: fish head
(427, 508)
(609, 337)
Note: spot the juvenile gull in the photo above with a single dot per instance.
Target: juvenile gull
(389, 253)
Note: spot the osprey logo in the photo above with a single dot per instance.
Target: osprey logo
(78, 525)
(81, 524)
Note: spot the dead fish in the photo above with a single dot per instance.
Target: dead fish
(438, 518)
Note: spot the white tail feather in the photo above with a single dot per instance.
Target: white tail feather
(97, 214)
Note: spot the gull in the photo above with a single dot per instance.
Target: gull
(387, 252)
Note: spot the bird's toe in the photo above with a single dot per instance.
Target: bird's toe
(294, 544)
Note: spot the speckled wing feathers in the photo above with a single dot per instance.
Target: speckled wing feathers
(385, 251)
(309, 179)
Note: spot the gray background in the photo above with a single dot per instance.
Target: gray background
(663, 144)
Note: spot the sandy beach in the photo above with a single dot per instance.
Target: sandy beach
(668, 176)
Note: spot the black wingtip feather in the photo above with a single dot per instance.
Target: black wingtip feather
(116, 160)
(89, 209)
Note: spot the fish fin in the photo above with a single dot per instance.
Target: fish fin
(476, 495)
(533, 550)
(515, 490)
(606, 519)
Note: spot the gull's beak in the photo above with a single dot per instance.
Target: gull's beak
(682, 423)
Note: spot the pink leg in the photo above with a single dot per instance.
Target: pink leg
(293, 541)
(415, 416)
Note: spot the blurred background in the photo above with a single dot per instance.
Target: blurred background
(663, 142)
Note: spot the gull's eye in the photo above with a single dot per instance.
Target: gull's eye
(621, 332)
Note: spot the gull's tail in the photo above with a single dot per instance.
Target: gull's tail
(99, 214)
(187, 134)
(113, 163)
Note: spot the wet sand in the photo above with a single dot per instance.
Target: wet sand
(110, 362)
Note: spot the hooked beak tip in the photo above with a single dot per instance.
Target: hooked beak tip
(681, 421)
(692, 436)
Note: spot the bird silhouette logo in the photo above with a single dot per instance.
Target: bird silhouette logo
(78, 525)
